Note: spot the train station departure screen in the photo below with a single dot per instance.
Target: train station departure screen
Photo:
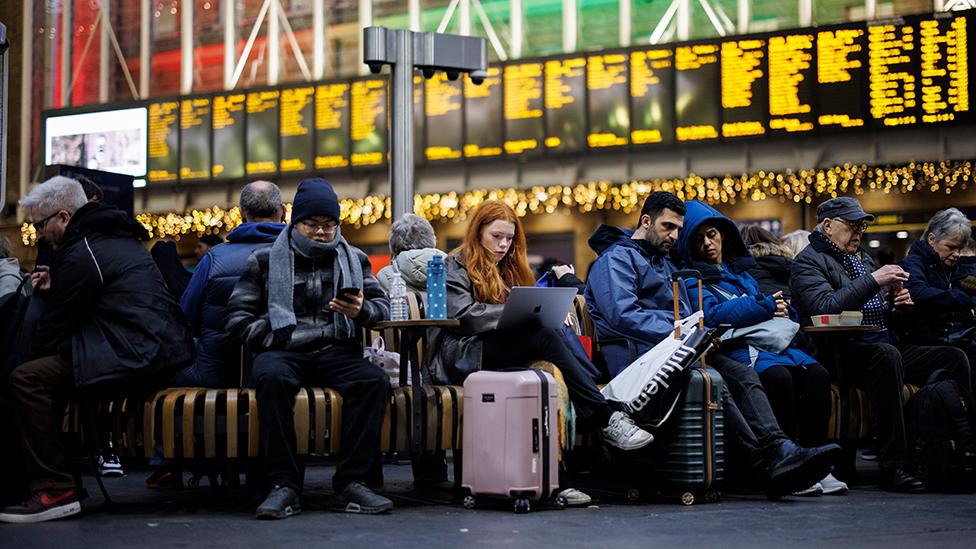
(483, 116)
(262, 131)
(565, 104)
(228, 136)
(195, 162)
(606, 82)
(442, 106)
(652, 96)
(332, 125)
(368, 132)
(524, 130)
(792, 83)
(164, 160)
(745, 93)
(297, 129)
(841, 77)
(697, 92)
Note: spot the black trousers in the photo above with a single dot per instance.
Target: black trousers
(881, 369)
(751, 421)
(800, 398)
(365, 391)
(510, 349)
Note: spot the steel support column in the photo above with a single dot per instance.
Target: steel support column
(625, 14)
(515, 14)
(229, 15)
(743, 15)
(569, 26)
(145, 46)
(186, 46)
(103, 53)
(365, 20)
(67, 37)
(684, 19)
(274, 42)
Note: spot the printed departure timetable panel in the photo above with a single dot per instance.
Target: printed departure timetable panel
(893, 84)
(195, 138)
(228, 136)
(697, 92)
(483, 116)
(745, 102)
(297, 135)
(606, 82)
(445, 124)
(565, 104)
(652, 96)
(841, 66)
(332, 125)
(163, 154)
(262, 131)
(944, 68)
(524, 131)
(792, 83)
(368, 122)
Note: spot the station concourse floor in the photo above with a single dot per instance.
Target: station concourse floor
(140, 519)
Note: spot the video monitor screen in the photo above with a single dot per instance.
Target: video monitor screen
(368, 130)
(442, 107)
(228, 136)
(652, 96)
(111, 141)
(296, 129)
(745, 87)
(524, 128)
(195, 127)
(483, 116)
(792, 83)
(697, 92)
(332, 125)
(565, 104)
(610, 119)
(841, 77)
(164, 139)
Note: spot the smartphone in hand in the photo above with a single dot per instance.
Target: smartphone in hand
(348, 293)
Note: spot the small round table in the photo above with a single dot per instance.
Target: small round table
(411, 333)
(840, 329)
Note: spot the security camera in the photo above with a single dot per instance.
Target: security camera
(428, 73)
(375, 68)
(453, 75)
(478, 77)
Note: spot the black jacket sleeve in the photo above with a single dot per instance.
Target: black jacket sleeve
(76, 281)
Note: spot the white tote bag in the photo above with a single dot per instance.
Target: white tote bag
(388, 360)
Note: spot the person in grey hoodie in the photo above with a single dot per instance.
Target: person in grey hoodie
(10, 275)
(412, 245)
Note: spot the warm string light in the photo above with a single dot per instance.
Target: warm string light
(797, 187)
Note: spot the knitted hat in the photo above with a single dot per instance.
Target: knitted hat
(314, 197)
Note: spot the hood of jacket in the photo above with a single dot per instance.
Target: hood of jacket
(412, 265)
(735, 255)
(769, 249)
(250, 232)
(98, 217)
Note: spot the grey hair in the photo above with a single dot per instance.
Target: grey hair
(411, 232)
(799, 239)
(260, 200)
(948, 223)
(55, 194)
(4, 247)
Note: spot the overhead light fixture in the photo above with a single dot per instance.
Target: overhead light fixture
(901, 235)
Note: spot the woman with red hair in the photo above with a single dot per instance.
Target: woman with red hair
(480, 274)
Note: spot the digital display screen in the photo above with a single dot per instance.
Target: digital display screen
(841, 77)
(262, 132)
(297, 125)
(419, 120)
(944, 68)
(228, 136)
(745, 99)
(164, 157)
(112, 141)
(331, 126)
(483, 116)
(195, 138)
(892, 79)
(442, 106)
(524, 129)
(368, 122)
(792, 83)
(565, 104)
(606, 81)
(697, 92)
(652, 96)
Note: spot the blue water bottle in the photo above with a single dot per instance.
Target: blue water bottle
(436, 289)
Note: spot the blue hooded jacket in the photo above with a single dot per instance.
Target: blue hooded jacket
(731, 277)
(629, 295)
(206, 297)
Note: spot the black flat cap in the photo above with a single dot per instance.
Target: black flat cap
(844, 207)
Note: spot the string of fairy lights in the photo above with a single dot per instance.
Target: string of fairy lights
(801, 186)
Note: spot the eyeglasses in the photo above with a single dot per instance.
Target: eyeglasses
(327, 227)
(39, 225)
(858, 227)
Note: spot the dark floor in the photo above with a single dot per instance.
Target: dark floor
(199, 518)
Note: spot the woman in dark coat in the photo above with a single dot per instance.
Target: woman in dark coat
(773, 260)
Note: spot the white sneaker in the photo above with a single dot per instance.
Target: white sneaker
(833, 487)
(810, 492)
(621, 433)
(574, 497)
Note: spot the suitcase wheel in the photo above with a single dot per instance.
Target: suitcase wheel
(633, 494)
(712, 496)
(688, 498)
(559, 502)
(469, 502)
(522, 506)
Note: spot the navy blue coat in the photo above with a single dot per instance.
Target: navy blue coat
(942, 308)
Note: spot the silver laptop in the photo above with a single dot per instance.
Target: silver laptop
(529, 306)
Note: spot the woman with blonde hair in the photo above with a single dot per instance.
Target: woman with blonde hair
(480, 274)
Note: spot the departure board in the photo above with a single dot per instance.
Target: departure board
(524, 129)
(195, 138)
(892, 79)
(368, 126)
(841, 69)
(606, 81)
(697, 92)
(792, 83)
(228, 136)
(419, 120)
(652, 96)
(944, 68)
(331, 126)
(745, 92)
(164, 160)
(297, 129)
(483, 116)
(445, 126)
(262, 131)
(565, 100)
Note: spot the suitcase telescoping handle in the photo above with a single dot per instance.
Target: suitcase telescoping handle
(675, 280)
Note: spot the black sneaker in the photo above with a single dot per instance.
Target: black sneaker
(42, 506)
(357, 498)
(109, 464)
(794, 468)
(281, 503)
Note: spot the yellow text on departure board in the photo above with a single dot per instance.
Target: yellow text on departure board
(836, 55)
(892, 85)
(741, 67)
(944, 47)
(523, 91)
(443, 96)
(367, 120)
(331, 100)
(790, 64)
(558, 71)
(227, 110)
(479, 95)
(162, 123)
(486, 88)
(644, 70)
(258, 102)
(293, 102)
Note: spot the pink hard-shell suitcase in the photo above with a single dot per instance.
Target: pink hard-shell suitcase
(510, 441)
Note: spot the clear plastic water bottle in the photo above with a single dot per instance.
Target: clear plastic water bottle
(399, 310)
(436, 289)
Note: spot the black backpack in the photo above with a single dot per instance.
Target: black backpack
(939, 421)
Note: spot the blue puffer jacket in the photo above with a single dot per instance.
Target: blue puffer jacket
(206, 297)
(629, 295)
(942, 307)
(732, 278)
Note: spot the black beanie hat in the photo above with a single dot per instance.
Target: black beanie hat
(314, 197)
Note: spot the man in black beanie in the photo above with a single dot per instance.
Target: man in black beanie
(288, 311)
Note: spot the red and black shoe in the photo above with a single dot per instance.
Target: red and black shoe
(165, 479)
(42, 506)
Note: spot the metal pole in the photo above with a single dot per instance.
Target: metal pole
(870, 9)
(938, 5)
(569, 26)
(318, 39)
(743, 16)
(103, 45)
(230, 41)
(464, 23)
(274, 42)
(26, 106)
(625, 22)
(806, 13)
(145, 41)
(413, 9)
(4, 111)
(401, 126)
(186, 46)
(365, 20)
(684, 19)
(515, 14)
(67, 36)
